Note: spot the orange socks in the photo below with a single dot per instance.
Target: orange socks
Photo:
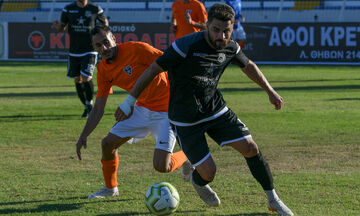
(110, 172)
(177, 160)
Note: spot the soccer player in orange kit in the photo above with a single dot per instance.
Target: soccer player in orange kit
(122, 65)
(188, 16)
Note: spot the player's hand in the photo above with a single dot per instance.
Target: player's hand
(80, 143)
(56, 25)
(173, 28)
(188, 18)
(276, 99)
(120, 114)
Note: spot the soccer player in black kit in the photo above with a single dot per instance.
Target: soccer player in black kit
(80, 17)
(195, 64)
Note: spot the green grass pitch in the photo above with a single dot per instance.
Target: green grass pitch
(312, 146)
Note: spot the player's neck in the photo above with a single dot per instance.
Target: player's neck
(81, 3)
(185, 1)
(113, 59)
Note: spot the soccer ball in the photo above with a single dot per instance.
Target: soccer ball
(162, 198)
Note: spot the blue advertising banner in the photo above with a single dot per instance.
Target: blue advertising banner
(303, 43)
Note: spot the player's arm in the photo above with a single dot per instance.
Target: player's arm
(124, 110)
(201, 17)
(101, 17)
(93, 120)
(58, 26)
(199, 25)
(173, 26)
(255, 74)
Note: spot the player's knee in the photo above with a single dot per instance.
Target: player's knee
(77, 79)
(251, 149)
(106, 146)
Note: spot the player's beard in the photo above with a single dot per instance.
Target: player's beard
(111, 54)
(218, 46)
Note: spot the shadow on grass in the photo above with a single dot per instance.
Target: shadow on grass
(42, 86)
(26, 118)
(146, 213)
(249, 214)
(290, 81)
(29, 63)
(344, 99)
(49, 94)
(43, 208)
(296, 88)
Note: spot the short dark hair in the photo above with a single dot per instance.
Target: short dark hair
(221, 12)
(100, 28)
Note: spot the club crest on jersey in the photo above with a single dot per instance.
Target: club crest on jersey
(188, 11)
(128, 70)
(88, 13)
(221, 57)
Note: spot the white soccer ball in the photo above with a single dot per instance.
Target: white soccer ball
(162, 198)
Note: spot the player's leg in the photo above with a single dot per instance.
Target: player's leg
(110, 164)
(193, 142)
(164, 159)
(118, 135)
(88, 63)
(73, 72)
(261, 171)
(234, 133)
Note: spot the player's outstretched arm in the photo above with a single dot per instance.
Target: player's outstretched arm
(255, 74)
(93, 120)
(124, 110)
(58, 26)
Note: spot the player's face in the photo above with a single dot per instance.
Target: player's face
(219, 33)
(104, 43)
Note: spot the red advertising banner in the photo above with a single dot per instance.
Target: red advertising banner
(39, 41)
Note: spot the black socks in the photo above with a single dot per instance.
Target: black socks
(261, 171)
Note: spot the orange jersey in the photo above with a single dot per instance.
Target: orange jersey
(132, 60)
(197, 12)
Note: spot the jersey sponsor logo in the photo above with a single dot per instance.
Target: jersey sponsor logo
(73, 11)
(36, 40)
(81, 21)
(88, 13)
(128, 70)
(221, 57)
(200, 54)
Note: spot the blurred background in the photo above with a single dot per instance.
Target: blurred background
(278, 32)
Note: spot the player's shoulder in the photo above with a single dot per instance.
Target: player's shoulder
(136, 45)
(94, 7)
(184, 44)
(70, 6)
(176, 3)
(190, 39)
(233, 46)
(197, 3)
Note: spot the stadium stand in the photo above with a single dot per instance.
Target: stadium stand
(160, 10)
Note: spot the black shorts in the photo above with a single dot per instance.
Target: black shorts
(225, 129)
(84, 65)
